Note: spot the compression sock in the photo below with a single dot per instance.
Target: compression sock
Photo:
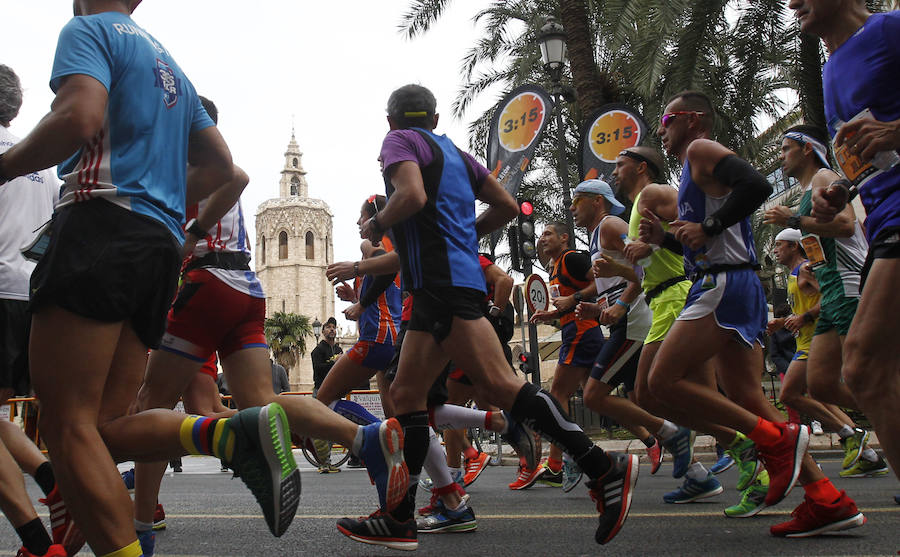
(207, 436)
(537, 409)
(649, 441)
(451, 416)
(436, 462)
(667, 430)
(353, 412)
(697, 472)
(34, 536)
(822, 491)
(131, 550)
(415, 449)
(45, 478)
(765, 433)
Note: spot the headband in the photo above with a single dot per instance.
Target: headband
(641, 158)
(818, 148)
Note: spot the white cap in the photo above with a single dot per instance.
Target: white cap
(789, 235)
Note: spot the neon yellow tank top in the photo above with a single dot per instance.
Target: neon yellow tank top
(664, 264)
(800, 303)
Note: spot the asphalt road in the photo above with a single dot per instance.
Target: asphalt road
(211, 515)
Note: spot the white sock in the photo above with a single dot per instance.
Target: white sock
(436, 461)
(142, 526)
(455, 471)
(358, 441)
(845, 431)
(451, 416)
(697, 472)
(869, 455)
(667, 430)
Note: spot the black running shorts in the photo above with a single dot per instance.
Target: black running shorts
(434, 309)
(110, 264)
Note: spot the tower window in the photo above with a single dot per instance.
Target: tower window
(262, 250)
(310, 246)
(295, 186)
(296, 162)
(282, 245)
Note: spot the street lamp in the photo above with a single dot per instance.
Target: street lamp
(317, 329)
(552, 40)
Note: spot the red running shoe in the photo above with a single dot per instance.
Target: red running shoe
(783, 460)
(612, 494)
(526, 477)
(655, 454)
(474, 468)
(159, 518)
(65, 532)
(812, 519)
(53, 551)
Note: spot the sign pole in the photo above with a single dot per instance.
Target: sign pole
(534, 357)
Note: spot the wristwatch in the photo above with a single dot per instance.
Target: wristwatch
(793, 221)
(578, 296)
(194, 228)
(711, 226)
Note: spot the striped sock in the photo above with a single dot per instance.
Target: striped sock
(207, 436)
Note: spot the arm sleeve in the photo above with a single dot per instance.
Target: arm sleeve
(671, 244)
(578, 264)
(749, 189)
(82, 49)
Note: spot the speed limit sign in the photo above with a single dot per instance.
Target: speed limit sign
(536, 294)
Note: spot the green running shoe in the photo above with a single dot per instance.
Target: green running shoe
(864, 469)
(853, 447)
(551, 478)
(753, 499)
(263, 460)
(743, 451)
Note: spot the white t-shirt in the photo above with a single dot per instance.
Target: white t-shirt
(610, 289)
(26, 203)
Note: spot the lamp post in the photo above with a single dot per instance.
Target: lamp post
(317, 329)
(552, 40)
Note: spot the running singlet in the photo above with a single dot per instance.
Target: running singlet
(438, 246)
(609, 289)
(844, 258)
(732, 247)
(860, 74)
(664, 264)
(379, 322)
(561, 275)
(227, 236)
(800, 303)
(138, 160)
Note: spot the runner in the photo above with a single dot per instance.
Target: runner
(570, 283)
(725, 315)
(859, 75)
(431, 193)
(839, 252)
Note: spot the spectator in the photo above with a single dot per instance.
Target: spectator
(325, 353)
(280, 382)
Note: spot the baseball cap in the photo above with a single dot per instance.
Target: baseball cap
(599, 187)
(789, 235)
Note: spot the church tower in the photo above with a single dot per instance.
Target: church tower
(293, 248)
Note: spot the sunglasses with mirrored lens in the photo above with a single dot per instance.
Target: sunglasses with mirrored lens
(668, 117)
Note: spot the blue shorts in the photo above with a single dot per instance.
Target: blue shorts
(372, 355)
(737, 300)
(580, 348)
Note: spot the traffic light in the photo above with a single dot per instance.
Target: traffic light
(513, 235)
(525, 363)
(526, 231)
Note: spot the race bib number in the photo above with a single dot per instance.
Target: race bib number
(814, 251)
(856, 170)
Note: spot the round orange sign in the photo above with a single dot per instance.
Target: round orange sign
(520, 121)
(612, 132)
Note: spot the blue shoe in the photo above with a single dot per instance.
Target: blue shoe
(519, 439)
(128, 478)
(724, 463)
(681, 445)
(382, 451)
(692, 490)
(147, 540)
(571, 473)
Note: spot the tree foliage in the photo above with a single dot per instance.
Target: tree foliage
(286, 334)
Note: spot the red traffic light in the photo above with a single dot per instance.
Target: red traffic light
(526, 208)
(523, 358)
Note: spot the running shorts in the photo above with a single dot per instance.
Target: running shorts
(209, 316)
(15, 324)
(666, 307)
(372, 355)
(886, 245)
(837, 316)
(800, 355)
(434, 309)
(735, 298)
(580, 347)
(210, 368)
(617, 362)
(109, 264)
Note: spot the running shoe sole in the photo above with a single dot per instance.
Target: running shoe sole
(859, 449)
(853, 522)
(390, 434)
(748, 514)
(868, 474)
(402, 544)
(275, 442)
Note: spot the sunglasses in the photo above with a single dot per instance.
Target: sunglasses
(668, 117)
(579, 199)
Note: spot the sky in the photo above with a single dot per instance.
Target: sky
(269, 63)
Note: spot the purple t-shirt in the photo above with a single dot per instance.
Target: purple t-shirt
(409, 145)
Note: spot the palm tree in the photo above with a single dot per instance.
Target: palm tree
(286, 334)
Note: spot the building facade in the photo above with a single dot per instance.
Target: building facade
(293, 248)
